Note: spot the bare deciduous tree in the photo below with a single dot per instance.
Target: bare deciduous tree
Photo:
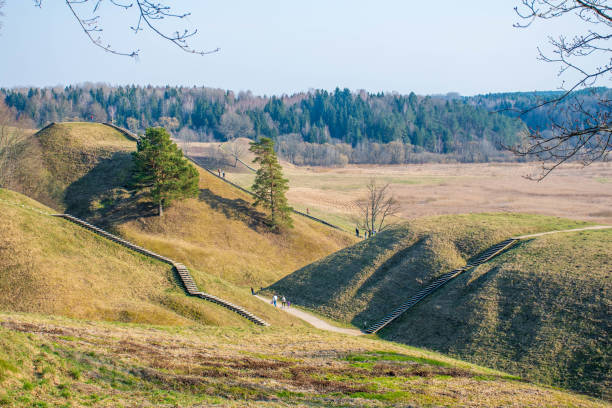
(376, 207)
(585, 133)
(149, 13)
(237, 149)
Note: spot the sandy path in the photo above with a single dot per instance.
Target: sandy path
(596, 227)
(315, 321)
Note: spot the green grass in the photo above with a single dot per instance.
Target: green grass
(540, 311)
(143, 365)
(514, 313)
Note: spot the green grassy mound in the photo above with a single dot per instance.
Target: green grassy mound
(542, 311)
(48, 362)
(51, 266)
(538, 310)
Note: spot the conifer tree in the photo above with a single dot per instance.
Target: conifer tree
(161, 171)
(270, 185)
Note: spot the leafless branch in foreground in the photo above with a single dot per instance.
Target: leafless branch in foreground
(585, 133)
(149, 12)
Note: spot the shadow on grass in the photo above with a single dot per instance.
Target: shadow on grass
(236, 209)
(102, 195)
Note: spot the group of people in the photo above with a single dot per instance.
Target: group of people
(221, 173)
(275, 299)
(366, 233)
(284, 302)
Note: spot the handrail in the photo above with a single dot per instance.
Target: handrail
(487, 255)
(186, 278)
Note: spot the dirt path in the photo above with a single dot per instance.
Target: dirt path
(315, 321)
(596, 227)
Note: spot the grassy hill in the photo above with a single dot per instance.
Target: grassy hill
(51, 266)
(86, 169)
(538, 311)
(55, 361)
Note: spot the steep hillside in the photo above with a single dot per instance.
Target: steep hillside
(538, 311)
(47, 362)
(58, 156)
(87, 170)
(541, 311)
(51, 266)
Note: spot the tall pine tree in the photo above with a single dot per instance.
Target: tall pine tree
(270, 185)
(161, 171)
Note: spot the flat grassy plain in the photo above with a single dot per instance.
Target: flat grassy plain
(436, 189)
(54, 361)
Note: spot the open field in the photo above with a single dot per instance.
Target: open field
(435, 189)
(54, 361)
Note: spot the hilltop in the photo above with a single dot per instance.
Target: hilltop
(516, 320)
(84, 169)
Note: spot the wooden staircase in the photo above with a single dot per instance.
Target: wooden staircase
(190, 286)
(439, 282)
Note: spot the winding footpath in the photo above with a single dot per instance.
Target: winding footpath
(313, 320)
(396, 313)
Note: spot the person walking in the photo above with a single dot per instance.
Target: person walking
(219, 171)
(274, 299)
(356, 232)
(223, 174)
(288, 303)
(252, 291)
(284, 302)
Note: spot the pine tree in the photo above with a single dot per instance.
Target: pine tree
(270, 185)
(161, 170)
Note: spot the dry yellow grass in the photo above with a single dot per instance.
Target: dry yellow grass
(57, 361)
(51, 266)
(437, 189)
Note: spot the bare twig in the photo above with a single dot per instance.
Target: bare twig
(585, 132)
(148, 13)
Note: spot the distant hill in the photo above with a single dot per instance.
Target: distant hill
(318, 127)
(84, 169)
(537, 311)
(513, 104)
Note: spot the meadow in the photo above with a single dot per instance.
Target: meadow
(573, 191)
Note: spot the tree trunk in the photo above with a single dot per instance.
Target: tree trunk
(161, 209)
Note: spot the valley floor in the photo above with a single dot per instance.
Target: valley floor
(436, 189)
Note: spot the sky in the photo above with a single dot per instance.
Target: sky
(273, 47)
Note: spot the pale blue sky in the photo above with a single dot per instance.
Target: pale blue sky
(283, 46)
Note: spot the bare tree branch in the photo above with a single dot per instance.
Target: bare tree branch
(148, 13)
(585, 132)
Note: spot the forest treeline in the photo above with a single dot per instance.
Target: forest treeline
(315, 128)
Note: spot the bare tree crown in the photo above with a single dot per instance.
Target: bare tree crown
(149, 13)
(585, 133)
(375, 209)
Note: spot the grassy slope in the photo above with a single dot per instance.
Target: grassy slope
(86, 172)
(60, 362)
(60, 155)
(540, 310)
(51, 266)
(516, 320)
